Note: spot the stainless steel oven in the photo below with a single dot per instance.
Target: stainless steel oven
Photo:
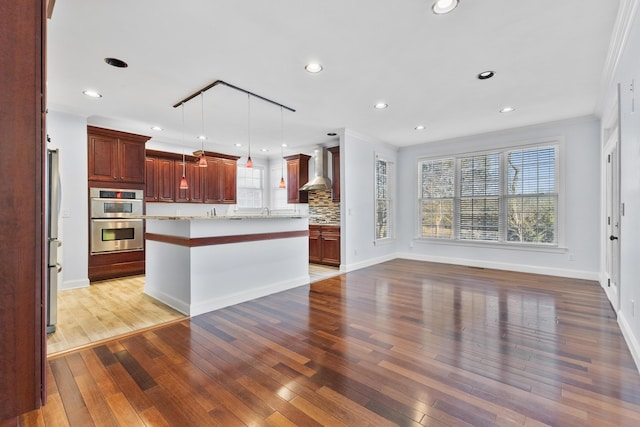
(111, 229)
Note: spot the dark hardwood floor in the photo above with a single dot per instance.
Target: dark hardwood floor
(400, 343)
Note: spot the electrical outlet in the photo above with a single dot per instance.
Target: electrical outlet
(572, 257)
(411, 244)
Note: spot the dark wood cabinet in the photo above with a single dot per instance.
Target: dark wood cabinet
(115, 156)
(315, 244)
(297, 176)
(194, 174)
(324, 244)
(22, 125)
(160, 180)
(214, 184)
(229, 181)
(220, 180)
(335, 170)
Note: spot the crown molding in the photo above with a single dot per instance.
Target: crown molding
(621, 30)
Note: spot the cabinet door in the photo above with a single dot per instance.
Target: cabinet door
(193, 173)
(292, 181)
(315, 244)
(130, 160)
(194, 177)
(181, 195)
(212, 176)
(229, 181)
(103, 158)
(151, 179)
(166, 180)
(331, 246)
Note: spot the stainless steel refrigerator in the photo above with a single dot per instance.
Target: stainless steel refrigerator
(53, 213)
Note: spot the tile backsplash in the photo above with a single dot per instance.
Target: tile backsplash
(322, 210)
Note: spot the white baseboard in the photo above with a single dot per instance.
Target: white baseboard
(560, 272)
(367, 263)
(181, 306)
(243, 296)
(632, 342)
(74, 284)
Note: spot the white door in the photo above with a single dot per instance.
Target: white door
(612, 237)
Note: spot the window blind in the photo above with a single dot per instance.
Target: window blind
(506, 196)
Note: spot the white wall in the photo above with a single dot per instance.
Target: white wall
(357, 158)
(69, 134)
(581, 164)
(628, 71)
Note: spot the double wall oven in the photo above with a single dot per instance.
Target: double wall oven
(111, 228)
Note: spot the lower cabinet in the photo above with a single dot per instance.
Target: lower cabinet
(324, 244)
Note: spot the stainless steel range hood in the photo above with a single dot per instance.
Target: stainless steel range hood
(321, 181)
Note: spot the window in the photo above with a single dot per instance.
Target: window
(383, 199)
(250, 187)
(505, 196)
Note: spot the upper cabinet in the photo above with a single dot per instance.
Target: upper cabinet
(297, 176)
(115, 156)
(220, 180)
(335, 168)
(160, 181)
(214, 184)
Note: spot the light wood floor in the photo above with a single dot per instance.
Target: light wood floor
(111, 308)
(104, 310)
(400, 343)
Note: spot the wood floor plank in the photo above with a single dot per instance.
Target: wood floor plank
(399, 343)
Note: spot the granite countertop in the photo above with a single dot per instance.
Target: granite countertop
(216, 217)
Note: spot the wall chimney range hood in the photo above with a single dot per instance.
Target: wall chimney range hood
(321, 181)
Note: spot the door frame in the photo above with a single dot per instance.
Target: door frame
(611, 182)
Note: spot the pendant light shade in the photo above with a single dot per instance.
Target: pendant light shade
(183, 182)
(249, 161)
(203, 160)
(282, 144)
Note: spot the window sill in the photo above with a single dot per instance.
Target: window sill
(385, 241)
(494, 245)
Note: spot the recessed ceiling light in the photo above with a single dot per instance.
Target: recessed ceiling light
(419, 127)
(115, 62)
(486, 75)
(507, 110)
(202, 137)
(441, 7)
(92, 93)
(156, 128)
(313, 67)
(237, 144)
(264, 150)
(380, 106)
(283, 145)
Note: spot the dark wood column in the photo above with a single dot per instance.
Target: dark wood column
(21, 205)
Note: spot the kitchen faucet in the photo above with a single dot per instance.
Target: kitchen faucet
(267, 209)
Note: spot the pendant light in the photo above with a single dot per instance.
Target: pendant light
(249, 161)
(203, 160)
(183, 182)
(282, 184)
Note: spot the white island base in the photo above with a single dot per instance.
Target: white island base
(200, 264)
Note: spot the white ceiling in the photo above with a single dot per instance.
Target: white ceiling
(548, 56)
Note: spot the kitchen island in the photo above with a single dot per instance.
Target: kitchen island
(197, 264)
